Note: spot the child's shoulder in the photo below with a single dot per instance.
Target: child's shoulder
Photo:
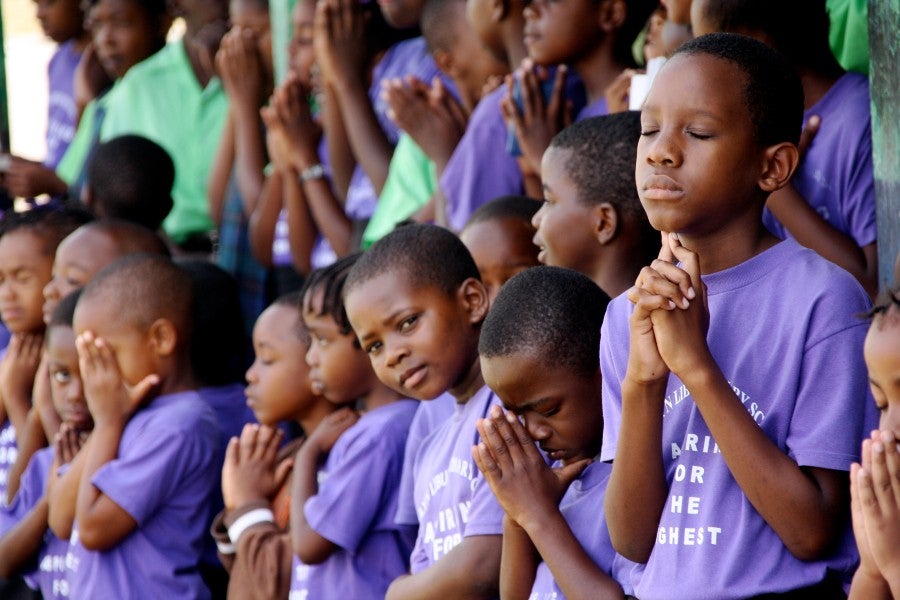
(180, 413)
(385, 426)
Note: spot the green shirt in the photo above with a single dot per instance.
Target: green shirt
(412, 180)
(161, 99)
(72, 163)
(849, 33)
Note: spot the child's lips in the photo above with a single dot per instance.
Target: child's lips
(413, 377)
(661, 187)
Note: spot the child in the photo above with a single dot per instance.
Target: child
(590, 37)
(592, 220)
(90, 248)
(723, 446)
(539, 350)
(416, 304)
(130, 177)
(498, 236)
(30, 546)
(27, 243)
(829, 203)
(252, 532)
(342, 513)
(873, 485)
(149, 426)
(124, 33)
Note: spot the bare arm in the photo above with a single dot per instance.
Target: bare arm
(264, 218)
(220, 173)
(468, 572)
(518, 562)
(22, 543)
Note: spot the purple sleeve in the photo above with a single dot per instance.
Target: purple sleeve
(846, 420)
(613, 346)
(480, 168)
(350, 499)
(485, 512)
(151, 466)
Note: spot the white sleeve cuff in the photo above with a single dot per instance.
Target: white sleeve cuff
(226, 549)
(245, 521)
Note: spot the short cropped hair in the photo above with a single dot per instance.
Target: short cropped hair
(131, 178)
(551, 313)
(64, 312)
(425, 255)
(781, 22)
(772, 91)
(294, 300)
(603, 151)
(141, 288)
(440, 22)
(49, 223)
(506, 207)
(220, 349)
(331, 281)
(130, 237)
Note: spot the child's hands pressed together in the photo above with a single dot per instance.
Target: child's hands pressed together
(294, 118)
(526, 487)
(429, 114)
(539, 119)
(675, 298)
(110, 399)
(339, 39)
(240, 67)
(66, 445)
(322, 440)
(251, 471)
(875, 506)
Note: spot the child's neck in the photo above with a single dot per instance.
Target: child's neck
(616, 269)
(816, 83)
(314, 415)
(380, 395)
(597, 70)
(729, 246)
(202, 68)
(514, 43)
(471, 382)
(176, 378)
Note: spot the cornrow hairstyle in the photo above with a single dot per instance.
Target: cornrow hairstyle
(49, 223)
(772, 91)
(551, 313)
(331, 281)
(425, 255)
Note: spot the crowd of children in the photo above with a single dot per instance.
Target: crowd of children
(314, 336)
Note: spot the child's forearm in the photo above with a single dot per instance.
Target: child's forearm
(261, 227)
(636, 493)
(340, 154)
(471, 571)
(814, 232)
(867, 586)
(101, 522)
(806, 508)
(249, 156)
(302, 228)
(310, 547)
(518, 562)
(574, 571)
(30, 440)
(22, 542)
(63, 496)
(327, 212)
(368, 141)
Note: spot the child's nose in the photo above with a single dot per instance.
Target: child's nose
(395, 353)
(663, 150)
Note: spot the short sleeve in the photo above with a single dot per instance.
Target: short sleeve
(613, 347)
(152, 465)
(345, 509)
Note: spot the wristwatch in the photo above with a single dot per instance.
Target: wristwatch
(316, 171)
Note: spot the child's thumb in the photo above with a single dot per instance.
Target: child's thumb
(283, 471)
(140, 391)
(569, 473)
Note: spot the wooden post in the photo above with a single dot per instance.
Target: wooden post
(884, 82)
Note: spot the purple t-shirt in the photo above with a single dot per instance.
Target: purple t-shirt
(582, 507)
(409, 57)
(49, 574)
(594, 109)
(163, 477)
(785, 331)
(430, 415)
(9, 450)
(836, 177)
(62, 114)
(452, 498)
(355, 508)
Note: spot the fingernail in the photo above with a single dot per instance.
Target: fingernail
(878, 448)
(685, 303)
(672, 304)
(887, 437)
(510, 417)
(691, 293)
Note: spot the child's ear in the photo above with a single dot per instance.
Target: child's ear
(606, 222)
(163, 337)
(780, 162)
(444, 61)
(612, 15)
(474, 299)
(500, 9)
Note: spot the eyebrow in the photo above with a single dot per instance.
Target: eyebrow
(533, 406)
